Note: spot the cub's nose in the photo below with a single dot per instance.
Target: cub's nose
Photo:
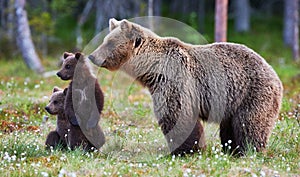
(47, 108)
(58, 74)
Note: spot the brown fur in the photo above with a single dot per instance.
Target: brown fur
(225, 83)
(84, 100)
(56, 107)
(65, 134)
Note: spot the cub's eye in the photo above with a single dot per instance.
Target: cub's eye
(55, 102)
(67, 66)
(137, 42)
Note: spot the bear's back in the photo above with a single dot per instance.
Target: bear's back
(235, 73)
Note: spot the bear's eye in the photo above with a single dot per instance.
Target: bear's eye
(137, 42)
(55, 102)
(67, 66)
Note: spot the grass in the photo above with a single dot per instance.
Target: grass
(135, 145)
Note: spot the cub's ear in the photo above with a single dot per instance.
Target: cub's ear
(56, 89)
(113, 23)
(65, 91)
(125, 25)
(78, 55)
(67, 54)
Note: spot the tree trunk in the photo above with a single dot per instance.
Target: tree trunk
(100, 15)
(10, 20)
(242, 15)
(291, 28)
(221, 20)
(150, 13)
(201, 15)
(288, 22)
(2, 13)
(23, 38)
(296, 31)
(157, 7)
(82, 19)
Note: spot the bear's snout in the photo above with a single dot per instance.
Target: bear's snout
(95, 61)
(58, 74)
(47, 109)
(92, 58)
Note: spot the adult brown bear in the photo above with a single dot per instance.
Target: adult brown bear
(225, 83)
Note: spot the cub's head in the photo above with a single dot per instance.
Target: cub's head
(69, 64)
(120, 45)
(56, 103)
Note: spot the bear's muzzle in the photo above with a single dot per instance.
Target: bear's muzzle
(96, 62)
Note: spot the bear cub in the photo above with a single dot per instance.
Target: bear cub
(65, 134)
(84, 100)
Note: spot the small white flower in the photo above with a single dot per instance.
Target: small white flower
(188, 170)
(45, 174)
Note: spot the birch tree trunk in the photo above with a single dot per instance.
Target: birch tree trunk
(23, 38)
(221, 20)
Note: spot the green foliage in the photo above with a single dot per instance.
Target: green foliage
(42, 23)
(193, 21)
(63, 7)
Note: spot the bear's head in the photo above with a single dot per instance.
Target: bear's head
(121, 44)
(69, 64)
(56, 103)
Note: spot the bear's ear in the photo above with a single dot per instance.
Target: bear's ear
(78, 55)
(125, 25)
(65, 91)
(67, 54)
(113, 23)
(56, 89)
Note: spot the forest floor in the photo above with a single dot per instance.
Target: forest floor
(135, 145)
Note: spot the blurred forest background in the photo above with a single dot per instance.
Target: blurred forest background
(37, 29)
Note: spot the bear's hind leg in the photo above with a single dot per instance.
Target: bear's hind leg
(227, 137)
(52, 140)
(253, 125)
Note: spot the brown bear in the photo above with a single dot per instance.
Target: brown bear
(56, 107)
(84, 100)
(65, 135)
(225, 83)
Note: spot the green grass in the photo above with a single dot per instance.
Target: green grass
(134, 144)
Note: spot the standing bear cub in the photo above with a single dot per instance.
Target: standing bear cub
(66, 134)
(225, 83)
(84, 100)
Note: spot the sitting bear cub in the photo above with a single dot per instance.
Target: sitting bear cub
(65, 134)
(56, 107)
(225, 83)
(84, 100)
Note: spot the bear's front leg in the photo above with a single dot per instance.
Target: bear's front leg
(185, 138)
(68, 107)
(180, 124)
